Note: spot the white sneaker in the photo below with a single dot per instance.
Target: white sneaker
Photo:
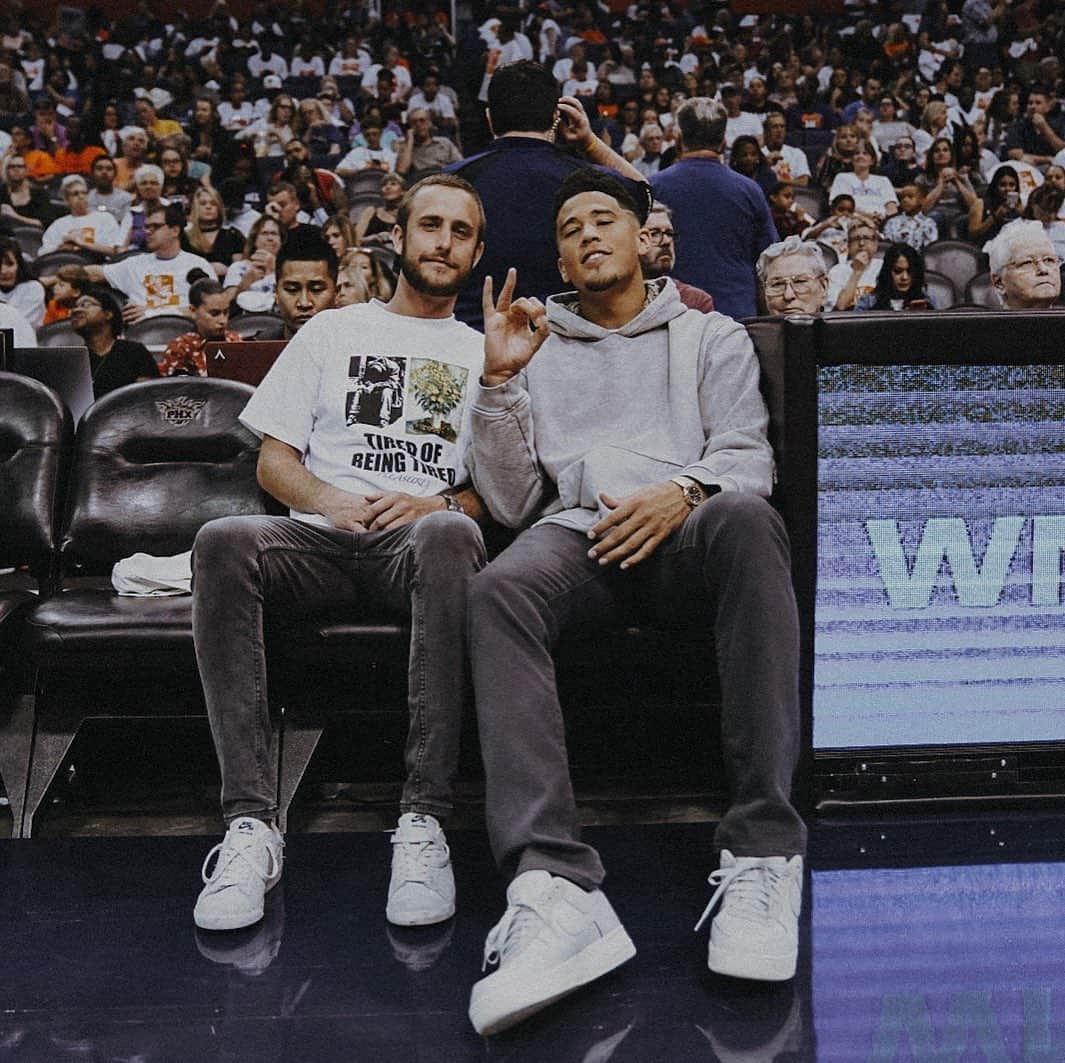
(553, 939)
(422, 889)
(756, 932)
(248, 866)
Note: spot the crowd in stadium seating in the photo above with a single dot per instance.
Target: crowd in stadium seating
(934, 119)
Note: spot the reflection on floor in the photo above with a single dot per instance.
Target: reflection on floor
(927, 940)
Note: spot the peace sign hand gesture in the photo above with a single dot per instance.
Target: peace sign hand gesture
(514, 329)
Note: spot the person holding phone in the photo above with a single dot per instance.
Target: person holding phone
(900, 283)
(1001, 205)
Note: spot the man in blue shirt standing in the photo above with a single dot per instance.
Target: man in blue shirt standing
(721, 218)
(518, 174)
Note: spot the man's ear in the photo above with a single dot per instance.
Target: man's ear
(643, 242)
(397, 239)
(562, 271)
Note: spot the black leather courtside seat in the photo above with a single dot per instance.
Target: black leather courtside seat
(36, 432)
(153, 463)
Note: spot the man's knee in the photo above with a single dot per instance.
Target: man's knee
(746, 520)
(226, 540)
(448, 539)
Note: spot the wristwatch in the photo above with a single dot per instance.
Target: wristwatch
(694, 492)
(453, 504)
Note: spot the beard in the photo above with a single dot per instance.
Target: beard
(420, 281)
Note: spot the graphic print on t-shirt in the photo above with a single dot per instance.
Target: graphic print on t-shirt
(429, 391)
(435, 398)
(159, 290)
(378, 384)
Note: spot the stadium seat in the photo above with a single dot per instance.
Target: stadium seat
(158, 331)
(28, 238)
(813, 200)
(258, 326)
(941, 289)
(980, 290)
(152, 463)
(59, 334)
(956, 259)
(46, 265)
(36, 432)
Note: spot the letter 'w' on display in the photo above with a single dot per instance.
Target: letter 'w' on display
(976, 585)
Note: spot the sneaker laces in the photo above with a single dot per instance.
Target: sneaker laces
(416, 858)
(231, 868)
(521, 923)
(747, 889)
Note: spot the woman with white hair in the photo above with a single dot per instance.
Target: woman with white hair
(133, 157)
(92, 231)
(793, 277)
(148, 194)
(1025, 270)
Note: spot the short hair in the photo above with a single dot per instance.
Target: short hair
(1000, 250)
(281, 186)
(202, 289)
(442, 180)
(522, 96)
(702, 122)
(149, 169)
(173, 214)
(793, 245)
(588, 179)
(658, 207)
(649, 129)
(72, 180)
(862, 221)
(132, 130)
(839, 199)
(102, 158)
(306, 247)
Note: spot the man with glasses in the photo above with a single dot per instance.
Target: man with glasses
(793, 277)
(82, 230)
(656, 259)
(97, 319)
(854, 276)
(1025, 269)
(157, 281)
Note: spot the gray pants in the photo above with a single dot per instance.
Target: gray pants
(726, 569)
(245, 567)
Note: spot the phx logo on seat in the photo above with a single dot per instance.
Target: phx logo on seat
(180, 411)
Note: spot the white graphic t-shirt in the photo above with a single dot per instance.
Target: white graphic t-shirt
(374, 401)
(160, 284)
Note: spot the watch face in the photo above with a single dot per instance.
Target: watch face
(692, 495)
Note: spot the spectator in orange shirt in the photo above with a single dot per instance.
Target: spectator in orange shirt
(40, 166)
(77, 157)
(68, 283)
(184, 356)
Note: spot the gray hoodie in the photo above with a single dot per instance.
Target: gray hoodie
(672, 392)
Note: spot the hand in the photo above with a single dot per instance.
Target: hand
(948, 174)
(637, 524)
(345, 510)
(132, 312)
(860, 260)
(396, 508)
(574, 127)
(513, 331)
(263, 261)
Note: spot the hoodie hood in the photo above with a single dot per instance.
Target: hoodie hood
(664, 305)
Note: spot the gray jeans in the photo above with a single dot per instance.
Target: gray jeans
(245, 567)
(725, 569)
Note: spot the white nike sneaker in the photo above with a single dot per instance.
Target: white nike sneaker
(756, 933)
(248, 866)
(553, 939)
(422, 889)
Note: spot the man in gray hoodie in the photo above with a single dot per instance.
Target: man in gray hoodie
(634, 444)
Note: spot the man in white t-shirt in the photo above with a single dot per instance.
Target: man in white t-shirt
(157, 281)
(363, 420)
(789, 164)
(95, 231)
